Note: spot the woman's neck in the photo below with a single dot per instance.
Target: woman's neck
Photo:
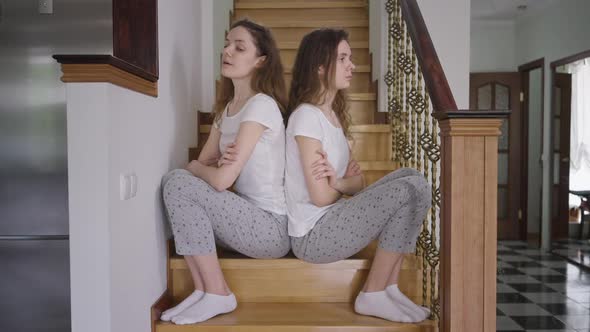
(326, 106)
(242, 89)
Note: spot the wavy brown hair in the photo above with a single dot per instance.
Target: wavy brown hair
(267, 79)
(318, 48)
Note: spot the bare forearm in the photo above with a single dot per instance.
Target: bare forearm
(351, 185)
(210, 174)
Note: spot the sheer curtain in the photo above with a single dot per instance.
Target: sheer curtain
(580, 126)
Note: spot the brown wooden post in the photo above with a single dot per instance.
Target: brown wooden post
(469, 180)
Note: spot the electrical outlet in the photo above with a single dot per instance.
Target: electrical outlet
(45, 6)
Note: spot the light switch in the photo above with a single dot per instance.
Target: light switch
(127, 186)
(45, 6)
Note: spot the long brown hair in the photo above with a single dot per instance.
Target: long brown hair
(318, 48)
(267, 79)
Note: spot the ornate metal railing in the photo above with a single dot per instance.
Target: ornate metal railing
(414, 139)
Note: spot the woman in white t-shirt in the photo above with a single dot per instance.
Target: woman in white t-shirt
(246, 148)
(324, 227)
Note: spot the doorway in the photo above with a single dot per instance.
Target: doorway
(569, 172)
(533, 99)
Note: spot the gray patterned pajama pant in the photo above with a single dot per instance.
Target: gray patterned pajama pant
(391, 209)
(201, 217)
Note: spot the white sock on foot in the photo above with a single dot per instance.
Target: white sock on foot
(379, 304)
(209, 306)
(190, 300)
(421, 313)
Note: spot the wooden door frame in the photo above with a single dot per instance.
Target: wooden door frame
(554, 65)
(524, 70)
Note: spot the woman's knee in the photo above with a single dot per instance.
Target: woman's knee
(406, 171)
(173, 174)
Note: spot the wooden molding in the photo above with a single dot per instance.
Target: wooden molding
(104, 72)
(470, 127)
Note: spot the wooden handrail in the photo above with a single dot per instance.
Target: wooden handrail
(434, 76)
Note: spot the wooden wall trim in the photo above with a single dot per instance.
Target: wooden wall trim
(107, 73)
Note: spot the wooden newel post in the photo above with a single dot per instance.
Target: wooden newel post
(469, 181)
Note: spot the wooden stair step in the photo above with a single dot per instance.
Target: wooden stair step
(358, 69)
(295, 317)
(362, 96)
(371, 142)
(264, 280)
(344, 23)
(297, 4)
(360, 83)
(295, 45)
(296, 34)
(375, 170)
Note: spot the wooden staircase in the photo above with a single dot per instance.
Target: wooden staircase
(288, 294)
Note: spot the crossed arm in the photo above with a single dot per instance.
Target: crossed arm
(222, 177)
(322, 182)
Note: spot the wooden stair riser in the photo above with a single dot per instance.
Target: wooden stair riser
(294, 285)
(371, 146)
(360, 83)
(362, 111)
(302, 17)
(296, 34)
(360, 57)
(298, 4)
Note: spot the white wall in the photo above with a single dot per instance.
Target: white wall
(553, 33)
(448, 23)
(493, 46)
(118, 248)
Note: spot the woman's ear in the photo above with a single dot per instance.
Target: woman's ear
(321, 70)
(260, 61)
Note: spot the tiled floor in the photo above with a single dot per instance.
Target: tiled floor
(538, 291)
(575, 250)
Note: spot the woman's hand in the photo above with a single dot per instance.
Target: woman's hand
(323, 169)
(353, 169)
(230, 155)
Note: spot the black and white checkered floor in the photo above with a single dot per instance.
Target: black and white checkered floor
(538, 291)
(577, 251)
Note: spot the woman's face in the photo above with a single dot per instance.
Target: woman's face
(239, 54)
(344, 66)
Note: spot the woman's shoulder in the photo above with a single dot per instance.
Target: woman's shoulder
(262, 99)
(305, 110)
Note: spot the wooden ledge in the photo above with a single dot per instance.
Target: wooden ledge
(471, 114)
(108, 69)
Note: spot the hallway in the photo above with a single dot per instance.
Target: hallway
(538, 291)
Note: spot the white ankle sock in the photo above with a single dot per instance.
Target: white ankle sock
(190, 300)
(380, 305)
(209, 306)
(418, 312)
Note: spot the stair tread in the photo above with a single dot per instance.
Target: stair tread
(370, 128)
(293, 315)
(298, 4)
(295, 45)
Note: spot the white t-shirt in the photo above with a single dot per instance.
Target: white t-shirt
(308, 120)
(261, 180)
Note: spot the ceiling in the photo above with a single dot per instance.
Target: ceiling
(505, 10)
